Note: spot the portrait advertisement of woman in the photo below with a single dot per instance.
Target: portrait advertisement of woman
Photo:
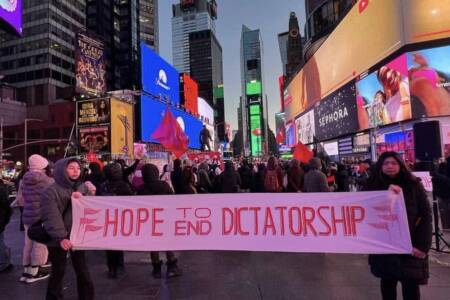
(429, 77)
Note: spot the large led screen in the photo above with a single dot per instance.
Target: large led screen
(429, 79)
(152, 113)
(11, 13)
(255, 130)
(305, 128)
(159, 78)
(336, 114)
(385, 95)
(90, 65)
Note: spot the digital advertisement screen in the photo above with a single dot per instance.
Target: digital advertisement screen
(190, 93)
(205, 111)
(11, 13)
(291, 140)
(335, 115)
(90, 65)
(385, 95)
(152, 113)
(429, 81)
(253, 88)
(218, 92)
(94, 139)
(306, 128)
(159, 78)
(92, 112)
(122, 128)
(255, 130)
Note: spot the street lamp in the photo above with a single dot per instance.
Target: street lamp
(25, 155)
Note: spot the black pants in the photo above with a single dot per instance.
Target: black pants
(58, 258)
(114, 260)
(170, 257)
(410, 290)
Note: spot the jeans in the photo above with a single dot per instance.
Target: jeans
(34, 253)
(410, 290)
(5, 253)
(58, 258)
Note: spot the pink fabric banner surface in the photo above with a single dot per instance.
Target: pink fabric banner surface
(362, 222)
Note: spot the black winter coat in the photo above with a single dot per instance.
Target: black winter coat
(56, 205)
(157, 187)
(405, 266)
(5, 209)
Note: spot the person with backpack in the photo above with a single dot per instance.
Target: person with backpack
(56, 214)
(154, 186)
(273, 179)
(315, 179)
(115, 185)
(5, 216)
(34, 182)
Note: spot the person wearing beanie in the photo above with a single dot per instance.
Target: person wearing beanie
(315, 179)
(34, 182)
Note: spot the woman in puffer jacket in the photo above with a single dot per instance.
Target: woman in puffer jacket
(34, 182)
(411, 270)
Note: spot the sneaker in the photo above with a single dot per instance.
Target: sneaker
(173, 270)
(39, 276)
(24, 277)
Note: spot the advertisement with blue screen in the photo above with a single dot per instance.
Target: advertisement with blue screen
(11, 13)
(159, 78)
(152, 113)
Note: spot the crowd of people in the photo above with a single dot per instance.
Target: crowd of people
(45, 191)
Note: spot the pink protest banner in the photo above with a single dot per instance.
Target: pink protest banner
(425, 177)
(363, 222)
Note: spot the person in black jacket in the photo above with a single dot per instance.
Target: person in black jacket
(114, 185)
(96, 175)
(245, 172)
(176, 176)
(5, 216)
(154, 186)
(56, 214)
(390, 172)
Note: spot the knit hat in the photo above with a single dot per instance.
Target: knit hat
(37, 162)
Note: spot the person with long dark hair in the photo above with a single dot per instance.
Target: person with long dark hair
(411, 270)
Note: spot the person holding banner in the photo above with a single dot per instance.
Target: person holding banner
(154, 186)
(56, 214)
(114, 185)
(391, 173)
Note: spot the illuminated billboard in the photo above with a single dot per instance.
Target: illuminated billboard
(159, 78)
(92, 112)
(189, 89)
(306, 128)
(385, 94)
(90, 65)
(255, 130)
(11, 14)
(429, 80)
(152, 113)
(385, 25)
(253, 88)
(94, 139)
(122, 128)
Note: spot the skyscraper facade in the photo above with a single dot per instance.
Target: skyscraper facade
(121, 25)
(294, 47)
(41, 62)
(283, 43)
(253, 101)
(190, 16)
(206, 67)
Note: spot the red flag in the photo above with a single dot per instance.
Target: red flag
(302, 153)
(171, 135)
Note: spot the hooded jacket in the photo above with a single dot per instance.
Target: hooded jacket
(114, 185)
(33, 185)
(56, 206)
(152, 184)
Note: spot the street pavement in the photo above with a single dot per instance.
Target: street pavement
(226, 275)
